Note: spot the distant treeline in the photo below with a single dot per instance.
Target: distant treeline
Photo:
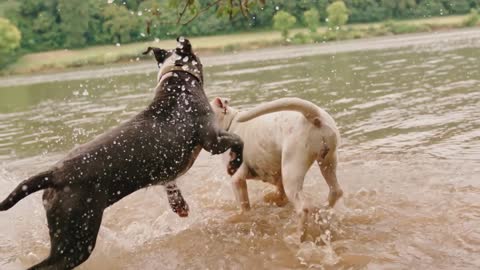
(52, 24)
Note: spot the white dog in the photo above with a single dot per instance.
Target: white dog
(282, 139)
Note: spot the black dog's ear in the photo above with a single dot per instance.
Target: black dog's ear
(160, 54)
(183, 46)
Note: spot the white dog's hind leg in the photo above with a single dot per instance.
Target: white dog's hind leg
(328, 167)
(295, 165)
(239, 185)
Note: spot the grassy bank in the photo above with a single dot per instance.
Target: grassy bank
(101, 55)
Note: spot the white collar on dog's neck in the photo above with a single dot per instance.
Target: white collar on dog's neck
(231, 121)
(171, 69)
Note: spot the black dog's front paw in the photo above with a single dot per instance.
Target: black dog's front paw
(182, 209)
(177, 203)
(234, 164)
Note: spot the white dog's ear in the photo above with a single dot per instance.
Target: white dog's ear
(221, 102)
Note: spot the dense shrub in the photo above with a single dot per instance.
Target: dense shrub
(52, 24)
(9, 41)
(283, 21)
(472, 19)
(311, 18)
(337, 14)
(404, 28)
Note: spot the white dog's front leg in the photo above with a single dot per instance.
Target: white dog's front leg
(239, 185)
(277, 197)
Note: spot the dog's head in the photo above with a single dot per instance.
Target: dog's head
(182, 58)
(224, 113)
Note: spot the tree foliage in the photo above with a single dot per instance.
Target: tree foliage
(51, 24)
(312, 19)
(283, 21)
(337, 14)
(120, 24)
(74, 17)
(9, 40)
(9, 36)
(472, 19)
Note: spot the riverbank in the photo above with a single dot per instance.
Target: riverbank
(422, 40)
(59, 60)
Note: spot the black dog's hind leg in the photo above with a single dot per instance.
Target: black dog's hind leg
(73, 222)
(220, 141)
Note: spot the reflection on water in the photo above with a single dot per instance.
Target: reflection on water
(410, 122)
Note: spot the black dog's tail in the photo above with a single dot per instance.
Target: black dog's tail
(149, 49)
(35, 183)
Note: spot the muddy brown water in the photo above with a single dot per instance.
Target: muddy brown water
(409, 166)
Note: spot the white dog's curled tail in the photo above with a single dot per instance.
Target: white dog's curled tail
(307, 108)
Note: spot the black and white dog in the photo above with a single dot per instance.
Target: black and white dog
(154, 147)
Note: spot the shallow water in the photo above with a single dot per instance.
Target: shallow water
(409, 166)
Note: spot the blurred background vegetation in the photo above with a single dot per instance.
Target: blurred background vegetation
(42, 25)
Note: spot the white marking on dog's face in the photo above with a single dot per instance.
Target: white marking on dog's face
(174, 59)
(223, 112)
(183, 57)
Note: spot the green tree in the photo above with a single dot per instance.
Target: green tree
(9, 36)
(428, 8)
(472, 19)
(156, 19)
(337, 14)
(74, 21)
(322, 8)
(51, 24)
(366, 10)
(38, 21)
(121, 24)
(9, 40)
(399, 8)
(95, 33)
(312, 19)
(283, 22)
(457, 6)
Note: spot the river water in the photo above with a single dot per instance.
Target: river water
(409, 165)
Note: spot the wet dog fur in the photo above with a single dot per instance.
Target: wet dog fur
(154, 147)
(283, 138)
